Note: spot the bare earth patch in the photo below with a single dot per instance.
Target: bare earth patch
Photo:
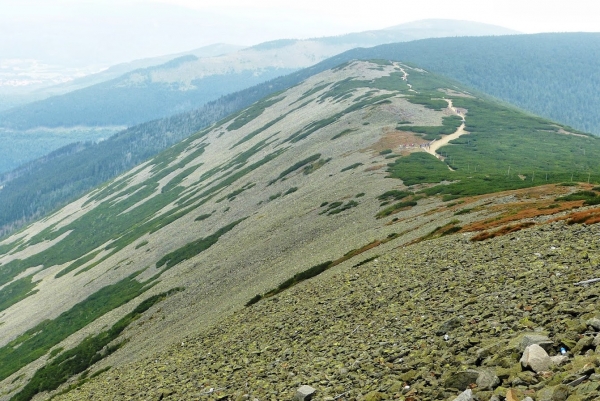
(394, 139)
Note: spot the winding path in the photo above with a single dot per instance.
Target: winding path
(433, 146)
(436, 144)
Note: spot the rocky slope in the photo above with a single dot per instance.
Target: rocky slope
(422, 322)
(246, 175)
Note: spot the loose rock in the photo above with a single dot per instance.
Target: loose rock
(530, 339)
(448, 325)
(304, 393)
(466, 395)
(462, 380)
(487, 380)
(536, 358)
(594, 322)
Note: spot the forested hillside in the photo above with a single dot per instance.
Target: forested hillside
(553, 75)
(41, 186)
(109, 103)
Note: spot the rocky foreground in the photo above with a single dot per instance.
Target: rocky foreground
(441, 320)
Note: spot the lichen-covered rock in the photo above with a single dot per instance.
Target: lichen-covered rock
(487, 380)
(539, 339)
(374, 396)
(555, 393)
(462, 380)
(583, 344)
(536, 358)
(448, 326)
(594, 322)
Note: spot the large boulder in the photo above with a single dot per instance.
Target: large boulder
(536, 358)
(539, 339)
(462, 380)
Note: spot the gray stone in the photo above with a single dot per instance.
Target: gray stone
(556, 393)
(560, 393)
(577, 381)
(559, 360)
(466, 395)
(539, 339)
(487, 380)
(594, 322)
(462, 380)
(489, 350)
(304, 393)
(536, 358)
(527, 399)
(448, 325)
(545, 394)
(597, 340)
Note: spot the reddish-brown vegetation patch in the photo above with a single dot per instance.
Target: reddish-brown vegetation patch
(519, 211)
(502, 231)
(590, 216)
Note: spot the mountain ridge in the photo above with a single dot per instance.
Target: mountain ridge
(298, 179)
(552, 85)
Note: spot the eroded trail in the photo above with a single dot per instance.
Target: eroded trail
(436, 144)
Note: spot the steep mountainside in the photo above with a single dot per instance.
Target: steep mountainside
(39, 187)
(424, 322)
(298, 183)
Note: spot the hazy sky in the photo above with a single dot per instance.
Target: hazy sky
(110, 31)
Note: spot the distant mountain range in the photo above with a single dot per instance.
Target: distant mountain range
(30, 81)
(149, 90)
